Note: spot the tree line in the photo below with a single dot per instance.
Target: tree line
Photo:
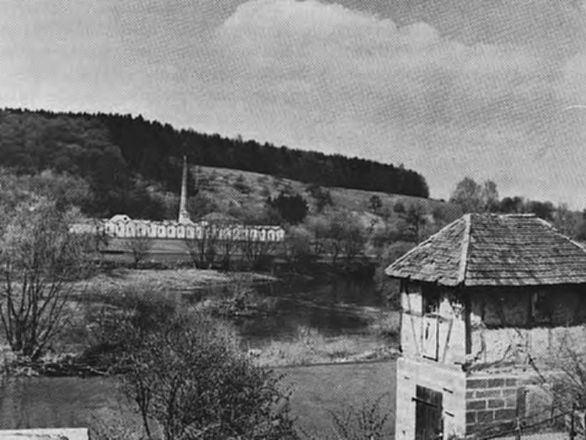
(121, 157)
(484, 197)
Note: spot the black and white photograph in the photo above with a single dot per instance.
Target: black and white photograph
(292, 219)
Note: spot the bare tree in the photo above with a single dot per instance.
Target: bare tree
(257, 252)
(189, 381)
(38, 257)
(139, 247)
(203, 250)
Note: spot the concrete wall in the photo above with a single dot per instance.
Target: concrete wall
(449, 380)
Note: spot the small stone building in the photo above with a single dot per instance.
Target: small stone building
(488, 305)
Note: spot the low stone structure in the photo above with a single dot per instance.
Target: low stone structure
(45, 434)
(489, 306)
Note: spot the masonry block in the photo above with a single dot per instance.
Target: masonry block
(494, 383)
(485, 416)
(488, 393)
(505, 414)
(477, 383)
(511, 402)
(496, 403)
(476, 404)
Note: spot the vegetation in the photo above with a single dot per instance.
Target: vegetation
(310, 347)
(367, 422)
(139, 247)
(474, 197)
(291, 207)
(120, 157)
(39, 258)
(186, 376)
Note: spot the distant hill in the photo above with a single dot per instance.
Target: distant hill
(127, 160)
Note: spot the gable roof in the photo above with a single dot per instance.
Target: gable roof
(495, 250)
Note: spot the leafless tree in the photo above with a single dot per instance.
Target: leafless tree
(38, 257)
(255, 251)
(139, 247)
(203, 250)
(189, 381)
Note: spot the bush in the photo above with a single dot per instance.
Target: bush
(191, 381)
(292, 208)
(370, 421)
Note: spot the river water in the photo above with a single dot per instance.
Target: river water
(334, 308)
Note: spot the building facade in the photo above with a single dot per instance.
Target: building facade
(492, 305)
(122, 226)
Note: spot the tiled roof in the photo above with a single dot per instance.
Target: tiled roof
(495, 250)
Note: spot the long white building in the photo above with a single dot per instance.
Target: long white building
(122, 226)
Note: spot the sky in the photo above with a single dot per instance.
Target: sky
(490, 89)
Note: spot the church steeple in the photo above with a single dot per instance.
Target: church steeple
(183, 214)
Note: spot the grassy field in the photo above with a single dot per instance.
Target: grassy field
(230, 191)
(319, 390)
(167, 280)
(235, 187)
(75, 402)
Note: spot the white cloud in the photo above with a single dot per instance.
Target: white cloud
(316, 75)
(321, 76)
(364, 66)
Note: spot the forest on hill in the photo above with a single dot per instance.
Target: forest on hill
(120, 158)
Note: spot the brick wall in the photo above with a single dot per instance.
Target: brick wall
(490, 400)
(493, 402)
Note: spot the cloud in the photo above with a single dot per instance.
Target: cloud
(316, 75)
(445, 94)
(364, 66)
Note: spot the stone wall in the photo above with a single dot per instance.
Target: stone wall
(494, 402)
(490, 400)
(448, 380)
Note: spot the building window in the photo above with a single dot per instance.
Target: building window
(431, 301)
(541, 307)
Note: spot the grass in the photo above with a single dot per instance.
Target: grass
(75, 402)
(221, 185)
(317, 391)
(311, 347)
(179, 280)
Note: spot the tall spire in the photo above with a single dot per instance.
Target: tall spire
(183, 214)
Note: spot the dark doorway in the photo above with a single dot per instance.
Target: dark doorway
(428, 414)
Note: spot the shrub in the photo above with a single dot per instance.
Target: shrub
(292, 208)
(190, 379)
(38, 255)
(370, 421)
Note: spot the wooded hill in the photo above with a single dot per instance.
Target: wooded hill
(121, 157)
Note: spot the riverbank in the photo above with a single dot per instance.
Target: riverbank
(278, 323)
(316, 392)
